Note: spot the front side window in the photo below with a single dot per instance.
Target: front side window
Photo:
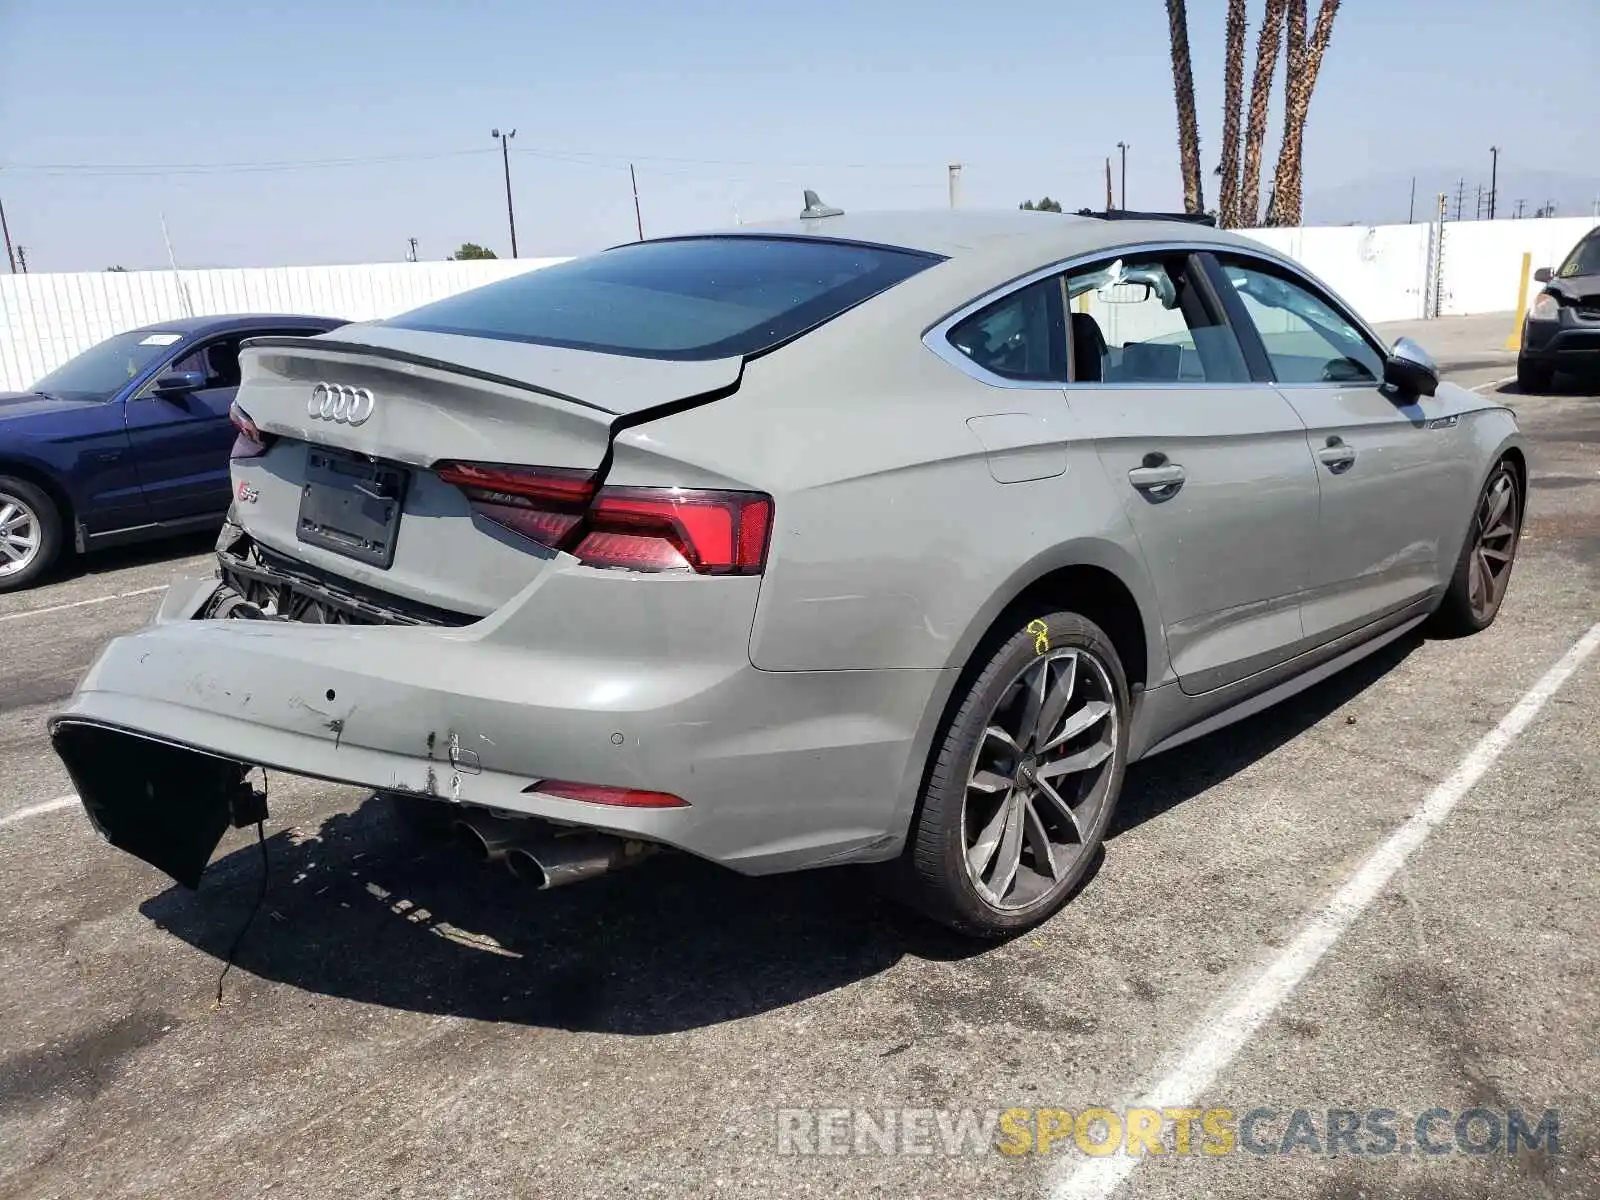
(1307, 340)
(687, 298)
(218, 361)
(1018, 336)
(1142, 319)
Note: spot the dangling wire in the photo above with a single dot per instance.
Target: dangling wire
(261, 895)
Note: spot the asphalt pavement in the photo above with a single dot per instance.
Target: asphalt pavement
(402, 1022)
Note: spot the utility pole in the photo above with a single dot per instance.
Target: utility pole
(411, 255)
(1479, 210)
(1123, 148)
(22, 257)
(638, 220)
(1411, 213)
(1434, 305)
(11, 256)
(1109, 204)
(1494, 178)
(1520, 203)
(505, 158)
(955, 185)
(1461, 192)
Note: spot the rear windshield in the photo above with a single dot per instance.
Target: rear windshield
(688, 298)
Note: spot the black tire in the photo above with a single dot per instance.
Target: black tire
(1533, 377)
(935, 873)
(34, 510)
(1466, 609)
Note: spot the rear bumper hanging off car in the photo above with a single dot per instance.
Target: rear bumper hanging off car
(581, 678)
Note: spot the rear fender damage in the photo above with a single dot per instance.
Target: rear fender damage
(165, 804)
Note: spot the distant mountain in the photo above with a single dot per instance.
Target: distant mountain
(1385, 199)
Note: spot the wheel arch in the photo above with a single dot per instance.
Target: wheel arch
(1098, 580)
(49, 485)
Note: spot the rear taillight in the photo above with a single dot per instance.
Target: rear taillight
(251, 442)
(544, 504)
(639, 528)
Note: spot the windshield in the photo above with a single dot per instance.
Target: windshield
(1584, 259)
(690, 298)
(103, 368)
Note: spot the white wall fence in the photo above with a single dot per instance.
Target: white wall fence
(1384, 271)
(46, 319)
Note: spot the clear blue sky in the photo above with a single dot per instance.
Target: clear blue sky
(723, 107)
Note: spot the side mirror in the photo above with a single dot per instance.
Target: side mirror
(178, 383)
(1410, 370)
(1542, 275)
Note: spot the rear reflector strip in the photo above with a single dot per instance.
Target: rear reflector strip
(594, 793)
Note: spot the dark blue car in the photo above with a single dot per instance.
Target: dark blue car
(126, 442)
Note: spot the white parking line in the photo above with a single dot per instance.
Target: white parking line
(54, 608)
(37, 810)
(1218, 1039)
(1483, 387)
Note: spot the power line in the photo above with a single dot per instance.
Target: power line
(585, 157)
(131, 169)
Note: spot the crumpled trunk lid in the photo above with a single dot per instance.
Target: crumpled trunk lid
(360, 420)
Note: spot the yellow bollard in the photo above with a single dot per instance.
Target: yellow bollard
(1514, 342)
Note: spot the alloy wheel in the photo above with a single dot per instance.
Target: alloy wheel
(1494, 545)
(21, 534)
(1039, 780)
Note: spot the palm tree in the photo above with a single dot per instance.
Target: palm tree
(1232, 98)
(1255, 134)
(1305, 61)
(1188, 125)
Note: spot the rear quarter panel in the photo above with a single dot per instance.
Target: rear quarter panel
(894, 544)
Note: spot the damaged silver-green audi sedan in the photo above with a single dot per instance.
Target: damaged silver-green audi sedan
(858, 538)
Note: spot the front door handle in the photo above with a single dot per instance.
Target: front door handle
(1157, 477)
(1337, 456)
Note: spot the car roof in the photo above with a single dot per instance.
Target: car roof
(983, 250)
(231, 321)
(957, 233)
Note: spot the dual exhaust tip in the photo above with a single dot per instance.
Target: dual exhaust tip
(544, 860)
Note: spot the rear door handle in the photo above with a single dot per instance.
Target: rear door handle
(1158, 478)
(1337, 456)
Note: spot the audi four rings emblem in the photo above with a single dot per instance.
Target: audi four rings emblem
(336, 402)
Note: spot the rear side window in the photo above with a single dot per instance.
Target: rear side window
(688, 298)
(1018, 336)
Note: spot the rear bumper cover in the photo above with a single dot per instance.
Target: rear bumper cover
(642, 686)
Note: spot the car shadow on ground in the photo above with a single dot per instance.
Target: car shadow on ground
(1156, 785)
(1562, 385)
(362, 911)
(139, 554)
(365, 911)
